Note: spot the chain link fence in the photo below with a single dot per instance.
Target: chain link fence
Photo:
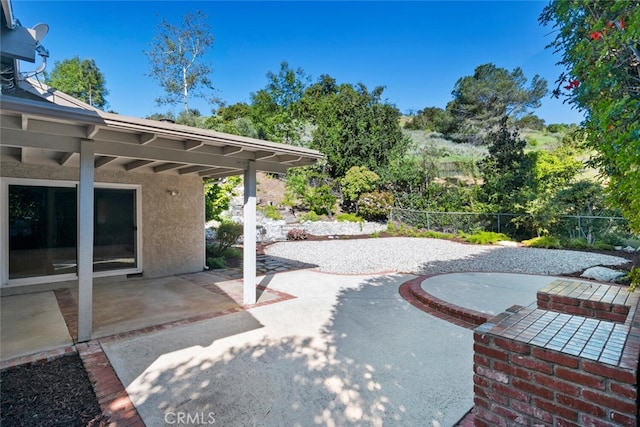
(589, 228)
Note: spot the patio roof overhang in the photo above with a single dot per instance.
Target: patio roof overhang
(44, 133)
(74, 134)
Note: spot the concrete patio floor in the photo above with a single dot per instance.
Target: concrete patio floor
(348, 350)
(318, 348)
(37, 322)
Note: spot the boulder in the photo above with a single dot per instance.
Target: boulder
(602, 274)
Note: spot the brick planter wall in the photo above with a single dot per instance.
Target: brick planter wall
(553, 366)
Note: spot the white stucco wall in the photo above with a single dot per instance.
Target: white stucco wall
(172, 225)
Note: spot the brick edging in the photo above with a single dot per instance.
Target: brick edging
(412, 292)
(40, 357)
(112, 397)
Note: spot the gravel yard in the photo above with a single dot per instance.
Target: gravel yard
(425, 256)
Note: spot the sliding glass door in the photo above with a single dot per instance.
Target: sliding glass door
(43, 230)
(114, 243)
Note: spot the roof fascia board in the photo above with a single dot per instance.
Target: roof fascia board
(53, 96)
(7, 9)
(17, 138)
(117, 122)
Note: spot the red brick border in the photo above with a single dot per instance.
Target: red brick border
(111, 394)
(43, 356)
(69, 309)
(413, 293)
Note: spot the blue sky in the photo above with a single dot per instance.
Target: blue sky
(417, 49)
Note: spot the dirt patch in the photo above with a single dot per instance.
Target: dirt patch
(54, 393)
(270, 190)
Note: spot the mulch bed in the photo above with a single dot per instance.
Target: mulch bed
(54, 393)
(58, 392)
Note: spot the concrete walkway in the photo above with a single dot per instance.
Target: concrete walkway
(347, 351)
(338, 350)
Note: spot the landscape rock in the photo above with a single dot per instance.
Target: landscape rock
(629, 249)
(602, 274)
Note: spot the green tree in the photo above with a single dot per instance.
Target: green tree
(310, 188)
(218, 195)
(583, 197)
(357, 180)
(177, 62)
(600, 46)
(432, 119)
(81, 79)
(530, 121)
(353, 127)
(411, 181)
(275, 110)
(481, 100)
(505, 170)
(550, 172)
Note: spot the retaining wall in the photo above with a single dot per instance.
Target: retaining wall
(569, 360)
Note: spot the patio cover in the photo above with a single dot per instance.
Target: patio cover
(57, 129)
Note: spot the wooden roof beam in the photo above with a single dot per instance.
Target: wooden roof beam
(102, 161)
(230, 150)
(167, 166)
(147, 138)
(192, 169)
(192, 144)
(92, 130)
(65, 158)
(137, 164)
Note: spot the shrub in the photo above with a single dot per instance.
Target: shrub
(310, 216)
(634, 277)
(357, 180)
(603, 246)
(556, 128)
(485, 238)
(375, 206)
(320, 200)
(227, 235)
(216, 263)
(271, 212)
(297, 234)
(576, 244)
(547, 242)
(349, 217)
(218, 195)
(232, 253)
(408, 231)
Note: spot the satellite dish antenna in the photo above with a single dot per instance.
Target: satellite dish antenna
(42, 66)
(40, 31)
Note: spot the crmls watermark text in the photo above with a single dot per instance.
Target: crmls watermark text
(188, 418)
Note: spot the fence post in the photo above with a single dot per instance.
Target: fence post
(580, 233)
(428, 224)
(498, 223)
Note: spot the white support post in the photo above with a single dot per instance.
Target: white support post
(85, 240)
(249, 238)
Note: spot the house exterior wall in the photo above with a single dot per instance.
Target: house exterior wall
(172, 225)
